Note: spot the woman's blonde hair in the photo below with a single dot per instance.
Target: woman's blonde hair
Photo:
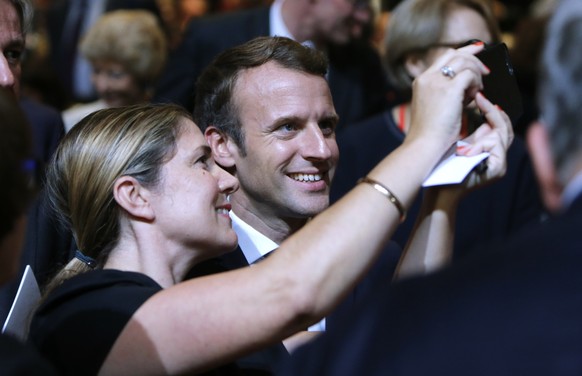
(126, 141)
(132, 38)
(417, 25)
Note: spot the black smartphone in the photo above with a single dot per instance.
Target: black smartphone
(500, 85)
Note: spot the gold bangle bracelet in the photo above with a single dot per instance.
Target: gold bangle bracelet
(387, 193)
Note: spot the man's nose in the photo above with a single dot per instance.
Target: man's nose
(6, 75)
(315, 144)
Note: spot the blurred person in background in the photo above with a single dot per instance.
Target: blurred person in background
(420, 31)
(66, 21)
(18, 174)
(46, 244)
(357, 81)
(127, 50)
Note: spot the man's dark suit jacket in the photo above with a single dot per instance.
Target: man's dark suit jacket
(358, 84)
(47, 244)
(485, 215)
(514, 310)
(265, 362)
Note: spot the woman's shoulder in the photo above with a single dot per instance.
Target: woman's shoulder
(86, 314)
(100, 288)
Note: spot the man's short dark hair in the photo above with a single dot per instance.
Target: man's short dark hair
(214, 103)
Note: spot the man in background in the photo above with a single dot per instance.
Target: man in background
(47, 244)
(357, 81)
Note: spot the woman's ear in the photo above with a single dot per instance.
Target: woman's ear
(133, 198)
(415, 64)
(223, 149)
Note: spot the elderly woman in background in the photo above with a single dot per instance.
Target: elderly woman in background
(127, 49)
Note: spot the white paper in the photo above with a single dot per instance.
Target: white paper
(27, 297)
(453, 169)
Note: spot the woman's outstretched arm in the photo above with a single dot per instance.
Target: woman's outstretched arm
(204, 322)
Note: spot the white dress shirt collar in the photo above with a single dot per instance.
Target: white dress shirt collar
(253, 244)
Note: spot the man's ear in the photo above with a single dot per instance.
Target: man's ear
(415, 64)
(133, 198)
(223, 149)
(538, 144)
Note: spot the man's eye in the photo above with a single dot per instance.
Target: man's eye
(288, 127)
(327, 127)
(13, 56)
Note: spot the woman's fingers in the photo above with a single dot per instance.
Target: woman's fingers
(496, 118)
(440, 93)
(495, 137)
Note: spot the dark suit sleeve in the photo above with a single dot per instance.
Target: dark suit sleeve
(358, 82)
(47, 128)
(379, 275)
(48, 244)
(176, 84)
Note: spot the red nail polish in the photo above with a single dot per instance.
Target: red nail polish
(478, 43)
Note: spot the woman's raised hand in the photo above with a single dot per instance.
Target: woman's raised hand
(441, 92)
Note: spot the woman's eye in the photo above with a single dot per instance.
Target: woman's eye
(202, 160)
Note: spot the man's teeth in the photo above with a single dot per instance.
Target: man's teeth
(222, 211)
(306, 177)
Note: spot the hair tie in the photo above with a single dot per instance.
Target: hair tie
(90, 262)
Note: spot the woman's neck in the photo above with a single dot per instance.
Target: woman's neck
(156, 261)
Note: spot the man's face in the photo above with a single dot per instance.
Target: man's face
(288, 121)
(12, 47)
(340, 21)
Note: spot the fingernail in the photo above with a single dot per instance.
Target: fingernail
(462, 149)
(499, 107)
(478, 43)
(486, 67)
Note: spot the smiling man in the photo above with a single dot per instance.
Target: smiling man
(269, 118)
(288, 153)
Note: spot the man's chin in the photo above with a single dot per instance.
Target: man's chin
(314, 208)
